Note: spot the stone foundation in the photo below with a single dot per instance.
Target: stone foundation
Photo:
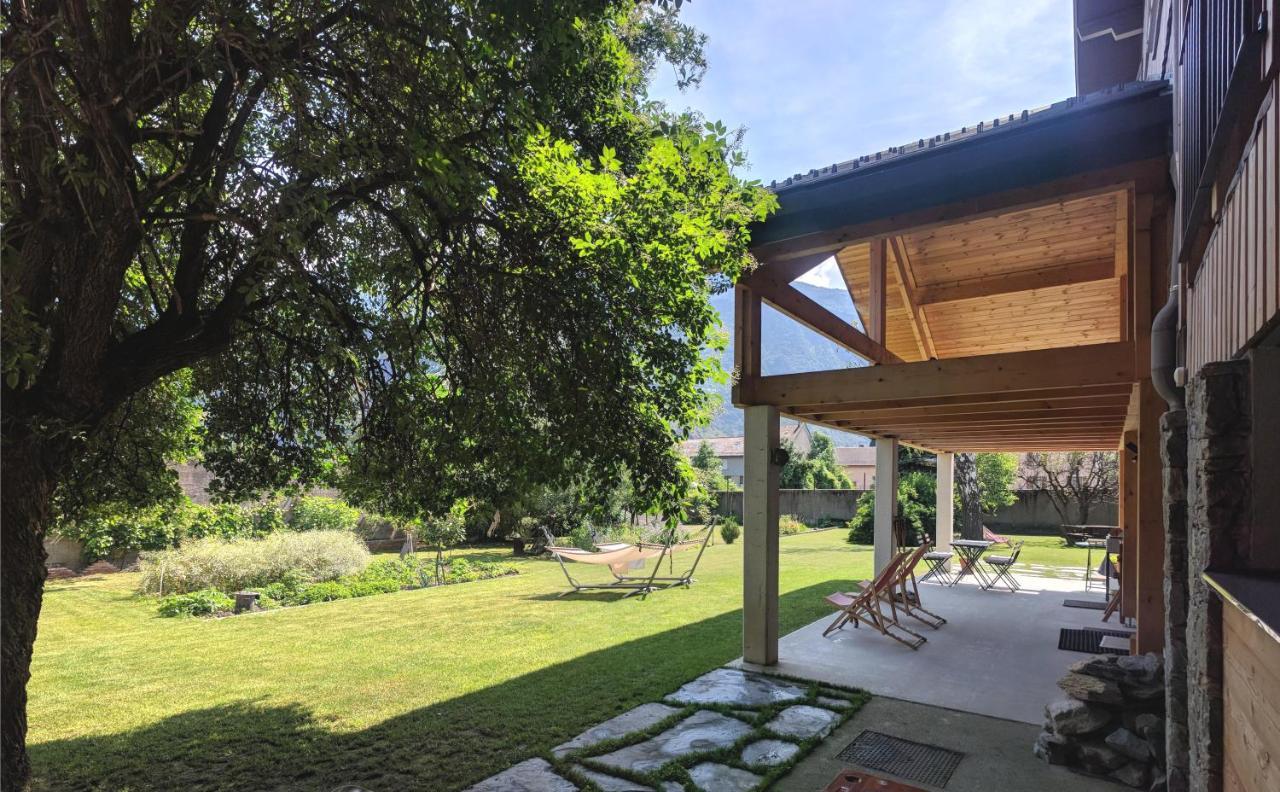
(1112, 721)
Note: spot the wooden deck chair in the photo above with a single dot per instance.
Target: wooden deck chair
(866, 606)
(909, 591)
(995, 538)
(618, 558)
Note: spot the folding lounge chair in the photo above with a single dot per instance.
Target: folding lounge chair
(1002, 566)
(995, 538)
(867, 606)
(909, 591)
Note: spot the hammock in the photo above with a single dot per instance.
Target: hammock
(621, 557)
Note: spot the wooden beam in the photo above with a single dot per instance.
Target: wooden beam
(963, 413)
(907, 291)
(989, 286)
(785, 271)
(792, 302)
(1045, 398)
(876, 310)
(746, 343)
(1096, 364)
(1149, 175)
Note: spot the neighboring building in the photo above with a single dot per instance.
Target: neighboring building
(859, 464)
(1102, 274)
(729, 449)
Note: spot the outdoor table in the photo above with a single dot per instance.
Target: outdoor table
(1088, 564)
(970, 550)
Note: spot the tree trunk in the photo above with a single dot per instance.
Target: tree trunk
(25, 508)
(970, 503)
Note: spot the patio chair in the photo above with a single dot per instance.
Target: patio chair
(936, 562)
(909, 590)
(866, 606)
(1002, 566)
(995, 538)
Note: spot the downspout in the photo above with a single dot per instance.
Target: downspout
(1164, 349)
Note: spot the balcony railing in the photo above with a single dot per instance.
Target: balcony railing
(1221, 52)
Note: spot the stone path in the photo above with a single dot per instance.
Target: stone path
(715, 751)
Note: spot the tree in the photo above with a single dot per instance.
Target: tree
(968, 496)
(440, 532)
(402, 246)
(1079, 478)
(996, 474)
(817, 469)
(706, 460)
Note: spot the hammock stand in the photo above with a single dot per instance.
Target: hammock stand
(620, 556)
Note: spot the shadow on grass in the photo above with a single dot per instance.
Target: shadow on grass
(448, 745)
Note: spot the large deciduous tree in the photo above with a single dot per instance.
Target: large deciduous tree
(431, 250)
(1075, 481)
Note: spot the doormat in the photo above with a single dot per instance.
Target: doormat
(926, 764)
(1088, 640)
(1087, 604)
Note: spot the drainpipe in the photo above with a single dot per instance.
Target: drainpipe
(1164, 351)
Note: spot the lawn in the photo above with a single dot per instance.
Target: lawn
(428, 689)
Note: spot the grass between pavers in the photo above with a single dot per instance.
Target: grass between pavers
(678, 769)
(429, 689)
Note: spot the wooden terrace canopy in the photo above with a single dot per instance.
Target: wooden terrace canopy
(1004, 279)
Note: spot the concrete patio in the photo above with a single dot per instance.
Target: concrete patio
(997, 655)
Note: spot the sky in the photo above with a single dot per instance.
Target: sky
(816, 82)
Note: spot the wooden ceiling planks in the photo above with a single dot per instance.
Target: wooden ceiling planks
(1037, 278)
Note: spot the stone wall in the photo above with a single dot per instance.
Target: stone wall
(809, 506)
(1173, 452)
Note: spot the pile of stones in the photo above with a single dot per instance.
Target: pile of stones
(1112, 721)
(726, 731)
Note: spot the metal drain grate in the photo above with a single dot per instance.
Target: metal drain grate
(1088, 640)
(913, 761)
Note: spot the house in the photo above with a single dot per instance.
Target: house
(1099, 274)
(859, 464)
(729, 449)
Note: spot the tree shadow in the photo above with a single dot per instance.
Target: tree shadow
(448, 745)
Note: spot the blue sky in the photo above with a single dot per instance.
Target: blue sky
(818, 82)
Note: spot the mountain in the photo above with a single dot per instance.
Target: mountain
(789, 348)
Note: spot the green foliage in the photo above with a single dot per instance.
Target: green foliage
(109, 529)
(232, 564)
(996, 473)
(463, 571)
(790, 525)
(382, 576)
(917, 504)
(204, 602)
(318, 513)
(706, 460)
(730, 530)
(817, 469)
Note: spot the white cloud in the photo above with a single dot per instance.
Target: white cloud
(827, 275)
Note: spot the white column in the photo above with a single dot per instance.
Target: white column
(886, 500)
(946, 500)
(760, 536)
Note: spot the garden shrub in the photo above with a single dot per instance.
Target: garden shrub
(112, 528)
(324, 592)
(233, 564)
(463, 571)
(204, 602)
(789, 525)
(917, 503)
(730, 530)
(318, 513)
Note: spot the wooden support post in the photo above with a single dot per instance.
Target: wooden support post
(746, 344)
(1149, 608)
(760, 536)
(886, 500)
(1129, 523)
(946, 500)
(876, 310)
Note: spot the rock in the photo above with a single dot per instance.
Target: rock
(1129, 744)
(638, 719)
(737, 689)
(608, 783)
(1144, 691)
(1091, 689)
(702, 731)
(769, 752)
(834, 703)
(1134, 774)
(1054, 749)
(1071, 717)
(1098, 757)
(1100, 666)
(531, 775)
(671, 786)
(1144, 668)
(712, 777)
(1159, 783)
(803, 721)
(1150, 726)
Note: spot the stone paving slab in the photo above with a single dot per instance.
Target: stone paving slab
(713, 777)
(735, 688)
(638, 719)
(702, 731)
(769, 752)
(608, 783)
(531, 775)
(803, 721)
(834, 703)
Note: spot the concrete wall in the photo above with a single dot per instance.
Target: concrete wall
(1033, 509)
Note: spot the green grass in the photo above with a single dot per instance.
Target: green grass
(428, 689)
(1047, 556)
